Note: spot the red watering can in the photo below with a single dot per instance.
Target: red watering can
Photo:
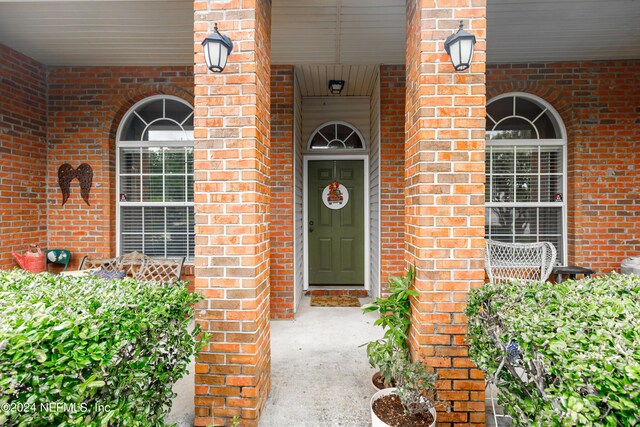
(33, 260)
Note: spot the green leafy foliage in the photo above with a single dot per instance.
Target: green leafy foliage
(82, 351)
(415, 386)
(395, 320)
(565, 354)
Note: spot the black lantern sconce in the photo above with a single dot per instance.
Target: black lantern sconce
(459, 46)
(217, 49)
(336, 86)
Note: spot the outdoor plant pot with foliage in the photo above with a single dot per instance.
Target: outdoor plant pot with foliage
(84, 351)
(561, 354)
(395, 319)
(412, 403)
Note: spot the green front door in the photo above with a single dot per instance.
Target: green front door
(336, 236)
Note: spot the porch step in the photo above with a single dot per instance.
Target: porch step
(337, 290)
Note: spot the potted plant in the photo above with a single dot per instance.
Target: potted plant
(395, 312)
(412, 402)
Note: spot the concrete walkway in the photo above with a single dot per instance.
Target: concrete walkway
(319, 374)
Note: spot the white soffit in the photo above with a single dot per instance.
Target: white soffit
(94, 33)
(562, 30)
(306, 32)
(338, 31)
(313, 80)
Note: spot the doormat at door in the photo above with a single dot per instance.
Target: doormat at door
(334, 301)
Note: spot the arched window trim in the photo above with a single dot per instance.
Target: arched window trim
(562, 141)
(121, 143)
(546, 107)
(330, 149)
(141, 143)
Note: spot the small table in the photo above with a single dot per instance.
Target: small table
(571, 271)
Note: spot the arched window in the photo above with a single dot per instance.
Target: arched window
(526, 172)
(336, 136)
(155, 212)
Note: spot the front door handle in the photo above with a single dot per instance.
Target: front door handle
(311, 227)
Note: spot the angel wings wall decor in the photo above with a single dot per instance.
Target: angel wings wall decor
(66, 174)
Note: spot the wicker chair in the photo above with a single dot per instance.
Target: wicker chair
(139, 266)
(165, 270)
(526, 262)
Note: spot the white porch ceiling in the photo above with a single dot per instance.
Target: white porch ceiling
(562, 30)
(338, 31)
(312, 32)
(93, 32)
(313, 80)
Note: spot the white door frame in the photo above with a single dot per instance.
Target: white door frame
(305, 211)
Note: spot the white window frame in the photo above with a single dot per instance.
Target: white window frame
(562, 141)
(146, 144)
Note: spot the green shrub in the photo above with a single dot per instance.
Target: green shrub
(563, 354)
(90, 352)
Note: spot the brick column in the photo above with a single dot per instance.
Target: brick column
(445, 195)
(281, 223)
(231, 163)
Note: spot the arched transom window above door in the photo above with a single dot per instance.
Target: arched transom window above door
(336, 136)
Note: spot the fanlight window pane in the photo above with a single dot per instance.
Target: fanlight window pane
(498, 110)
(133, 129)
(514, 128)
(151, 111)
(177, 111)
(528, 109)
(336, 136)
(165, 130)
(329, 132)
(343, 132)
(547, 127)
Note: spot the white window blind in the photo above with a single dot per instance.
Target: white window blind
(155, 179)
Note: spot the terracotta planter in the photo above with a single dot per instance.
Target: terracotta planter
(377, 422)
(374, 377)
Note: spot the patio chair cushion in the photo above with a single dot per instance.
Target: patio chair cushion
(110, 274)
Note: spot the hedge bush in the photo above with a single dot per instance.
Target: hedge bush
(91, 352)
(563, 354)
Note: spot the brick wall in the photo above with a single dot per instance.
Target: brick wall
(444, 198)
(598, 102)
(392, 100)
(232, 192)
(281, 220)
(85, 106)
(23, 154)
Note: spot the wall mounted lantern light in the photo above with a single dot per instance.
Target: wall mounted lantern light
(336, 86)
(459, 46)
(217, 49)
